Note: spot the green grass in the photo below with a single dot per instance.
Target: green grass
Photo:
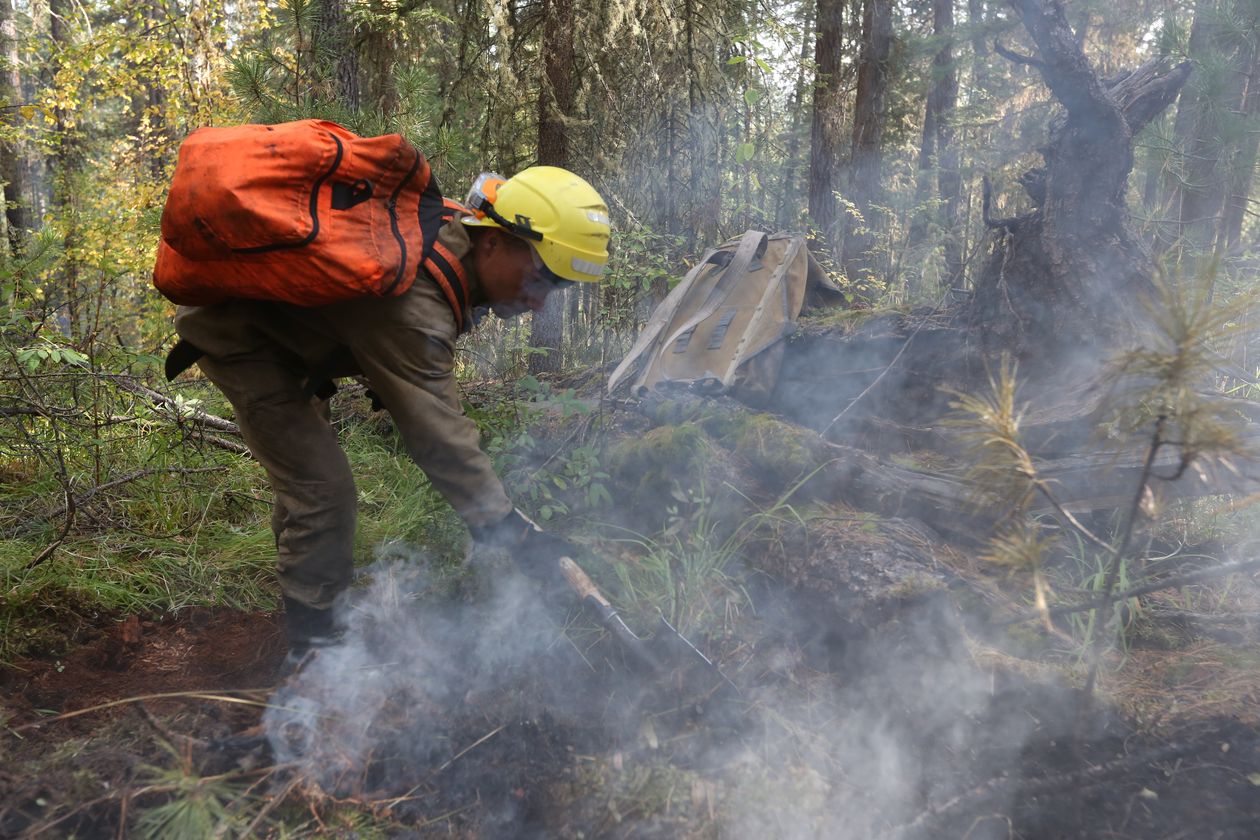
(167, 541)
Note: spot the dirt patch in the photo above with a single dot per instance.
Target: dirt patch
(200, 648)
(78, 769)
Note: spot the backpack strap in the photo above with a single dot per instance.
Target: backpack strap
(753, 244)
(443, 267)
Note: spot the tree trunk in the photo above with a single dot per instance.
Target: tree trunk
(555, 103)
(332, 39)
(1239, 194)
(1069, 275)
(381, 50)
(451, 76)
(937, 152)
(866, 166)
(785, 215)
(705, 152)
(16, 207)
(1210, 106)
(979, 47)
(826, 132)
(64, 164)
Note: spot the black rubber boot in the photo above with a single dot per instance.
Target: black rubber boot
(308, 629)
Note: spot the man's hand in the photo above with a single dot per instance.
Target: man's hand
(535, 551)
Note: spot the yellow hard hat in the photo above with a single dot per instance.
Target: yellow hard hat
(560, 214)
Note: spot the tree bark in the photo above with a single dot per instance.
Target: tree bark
(1211, 104)
(555, 103)
(826, 131)
(332, 39)
(12, 171)
(1243, 170)
(869, 116)
(979, 47)
(937, 152)
(786, 211)
(65, 164)
(381, 51)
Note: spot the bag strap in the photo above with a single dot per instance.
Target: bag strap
(443, 267)
(753, 244)
(775, 287)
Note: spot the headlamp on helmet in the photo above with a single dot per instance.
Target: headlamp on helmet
(481, 198)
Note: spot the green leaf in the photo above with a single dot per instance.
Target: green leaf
(752, 96)
(765, 68)
(560, 482)
(745, 152)
(598, 495)
(545, 513)
(737, 59)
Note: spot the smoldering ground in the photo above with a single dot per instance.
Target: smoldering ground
(500, 702)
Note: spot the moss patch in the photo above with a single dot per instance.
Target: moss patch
(660, 460)
(773, 447)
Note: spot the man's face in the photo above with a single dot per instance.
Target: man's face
(506, 268)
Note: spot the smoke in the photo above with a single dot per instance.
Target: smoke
(480, 691)
(414, 658)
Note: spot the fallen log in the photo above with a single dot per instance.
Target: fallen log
(941, 498)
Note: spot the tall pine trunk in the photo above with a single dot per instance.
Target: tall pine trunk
(786, 211)
(937, 154)
(827, 131)
(12, 166)
(555, 103)
(869, 117)
(1244, 168)
(65, 163)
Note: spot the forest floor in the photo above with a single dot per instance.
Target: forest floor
(482, 707)
(520, 764)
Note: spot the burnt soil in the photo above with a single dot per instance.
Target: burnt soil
(546, 755)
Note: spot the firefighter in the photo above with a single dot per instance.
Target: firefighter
(526, 236)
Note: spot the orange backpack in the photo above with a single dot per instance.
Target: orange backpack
(302, 212)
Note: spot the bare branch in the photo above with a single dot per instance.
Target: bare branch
(1018, 58)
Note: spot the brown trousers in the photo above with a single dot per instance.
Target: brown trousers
(266, 357)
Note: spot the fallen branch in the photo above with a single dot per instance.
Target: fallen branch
(160, 400)
(222, 443)
(69, 510)
(221, 696)
(1144, 589)
(172, 738)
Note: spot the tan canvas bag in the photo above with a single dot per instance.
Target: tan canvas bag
(721, 330)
